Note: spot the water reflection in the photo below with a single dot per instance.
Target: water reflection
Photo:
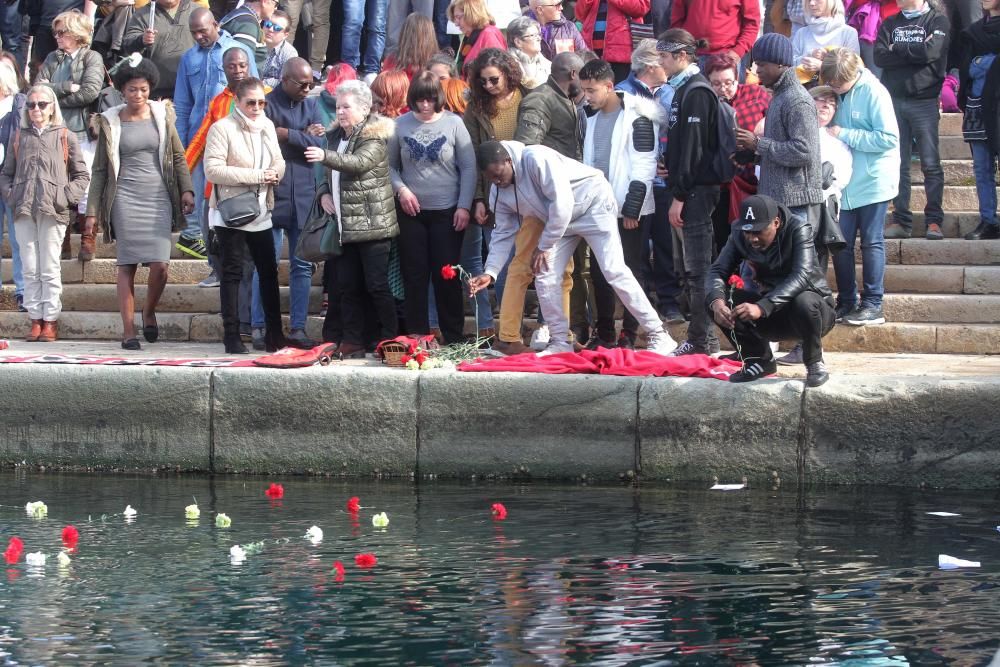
(612, 576)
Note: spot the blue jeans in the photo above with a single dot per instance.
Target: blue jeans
(472, 261)
(193, 230)
(299, 282)
(918, 120)
(7, 222)
(870, 222)
(984, 167)
(661, 271)
(370, 15)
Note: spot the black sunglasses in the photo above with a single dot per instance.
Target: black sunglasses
(40, 105)
(491, 80)
(303, 85)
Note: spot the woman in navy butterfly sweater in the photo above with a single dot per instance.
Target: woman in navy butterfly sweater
(433, 169)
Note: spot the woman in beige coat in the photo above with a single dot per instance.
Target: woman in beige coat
(242, 155)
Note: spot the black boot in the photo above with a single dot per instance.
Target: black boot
(984, 231)
(234, 345)
(274, 339)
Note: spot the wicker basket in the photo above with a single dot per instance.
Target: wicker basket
(393, 352)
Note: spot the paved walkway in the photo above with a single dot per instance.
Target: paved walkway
(842, 363)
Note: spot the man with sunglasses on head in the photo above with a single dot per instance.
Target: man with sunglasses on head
(279, 47)
(559, 34)
(298, 124)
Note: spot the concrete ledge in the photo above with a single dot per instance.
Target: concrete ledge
(695, 429)
(120, 417)
(353, 421)
(903, 432)
(552, 426)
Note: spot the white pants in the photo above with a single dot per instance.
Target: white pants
(599, 228)
(41, 245)
(88, 149)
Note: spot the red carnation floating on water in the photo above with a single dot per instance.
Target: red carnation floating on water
(448, 272)
(354, 504)
(365, 560)
(499, 511)
(338, 568)
(70, 536)
(275, 491)
(14, 550)
(736, 282)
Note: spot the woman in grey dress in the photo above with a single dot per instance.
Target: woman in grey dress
(140, 190)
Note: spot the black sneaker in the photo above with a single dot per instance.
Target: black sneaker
(686, 348)
(843, 310)
(793, 358)
(626, 339)
(816, 374)
(193, 247)
(864, 315)
(733, 356)
(984, 231)
(297, 338)
(754, 369)
(596, 341)
(20, 303)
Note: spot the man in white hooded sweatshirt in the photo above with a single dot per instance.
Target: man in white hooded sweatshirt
(577, 203)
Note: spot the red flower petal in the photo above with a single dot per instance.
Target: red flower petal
(420, 358)
(353, 505)
(736, 281)
(70, 536)
(499, 511)
(275, 491)
(11, 555)
(16, 544)
(405, 358)
(365, 560)
(338, 568)
(448, 272)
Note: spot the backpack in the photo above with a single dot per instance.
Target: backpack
(722, 168)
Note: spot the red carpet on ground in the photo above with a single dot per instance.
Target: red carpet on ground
(618, 361)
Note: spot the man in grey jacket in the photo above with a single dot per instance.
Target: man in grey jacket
(576, 203)
(163, 42)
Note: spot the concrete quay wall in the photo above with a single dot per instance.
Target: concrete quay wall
(375, 421)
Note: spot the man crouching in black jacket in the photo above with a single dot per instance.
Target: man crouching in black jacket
(795, 301)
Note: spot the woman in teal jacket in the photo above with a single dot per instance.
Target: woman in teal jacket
(865, 121)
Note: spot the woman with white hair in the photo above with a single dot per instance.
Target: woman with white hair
(42, 175)
(524, 37)
(76, 75)
(357, 189)
(825, 28)
(11, 108)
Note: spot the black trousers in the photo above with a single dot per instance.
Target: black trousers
(234, 245)
(363, 274)
(428, 241)
(604, 295)
(808, 318)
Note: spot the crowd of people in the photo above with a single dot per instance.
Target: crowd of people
(710, 173)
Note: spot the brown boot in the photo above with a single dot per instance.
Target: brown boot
(49, 331)
(36, 331)
(67, 248)
(509, 348)
(87, 247)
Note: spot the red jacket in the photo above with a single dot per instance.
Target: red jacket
(617, 38)
(489, 37)
(726, 24)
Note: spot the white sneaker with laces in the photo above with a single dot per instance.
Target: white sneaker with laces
(540, 338)
(660, 342)
(555, 347)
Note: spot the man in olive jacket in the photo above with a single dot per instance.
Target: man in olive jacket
(164, 43)
(548, 114)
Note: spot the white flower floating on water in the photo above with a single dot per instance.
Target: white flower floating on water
(380, 520)
(314, 535)
(63, 559)
(237, 554)
(223, 521)
(37, 510)
(192, 512)
(36, 559)
(129, 512)
(727, 487)
(943, 514)
(946, 562)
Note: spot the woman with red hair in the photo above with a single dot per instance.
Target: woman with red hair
(389, 91)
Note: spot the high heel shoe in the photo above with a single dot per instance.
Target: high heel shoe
(234, 345)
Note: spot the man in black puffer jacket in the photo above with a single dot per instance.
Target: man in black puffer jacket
(794, 299)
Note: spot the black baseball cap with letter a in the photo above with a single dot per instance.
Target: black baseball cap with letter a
(756, 213)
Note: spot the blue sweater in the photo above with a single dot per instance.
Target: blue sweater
(868, 126)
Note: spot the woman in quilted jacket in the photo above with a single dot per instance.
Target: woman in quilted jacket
(357, 189)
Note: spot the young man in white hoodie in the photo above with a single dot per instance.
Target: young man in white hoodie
(621, 142)
(577, 203)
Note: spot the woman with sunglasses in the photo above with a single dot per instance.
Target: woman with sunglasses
(242, 155)
(42, 176)
(76, 75)
(525, 38)
(479, 31)
(140, 192)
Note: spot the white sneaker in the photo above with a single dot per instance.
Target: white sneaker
(775, 346)
(555, 347)
(540, 338)
(659, 341)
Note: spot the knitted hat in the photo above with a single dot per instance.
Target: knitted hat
(773, 48)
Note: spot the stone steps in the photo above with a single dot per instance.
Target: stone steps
(955, 198)
(950, 125)
(954, 148)
(176, 298)
(936, 279)
(955, 225)
(947, 251)
(107, 250)
(956, 172)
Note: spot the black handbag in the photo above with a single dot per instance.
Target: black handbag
(319, 238)
(239, 210)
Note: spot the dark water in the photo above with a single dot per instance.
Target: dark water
(610, 576)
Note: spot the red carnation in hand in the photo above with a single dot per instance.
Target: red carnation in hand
(448, 272)
(338, 568)
(365, 560)
(275, 491)
(736, 281)
(499, 511)
(70, 536)
(354, 505)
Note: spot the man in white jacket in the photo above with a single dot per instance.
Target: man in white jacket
(621, 142)
(577, 203)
